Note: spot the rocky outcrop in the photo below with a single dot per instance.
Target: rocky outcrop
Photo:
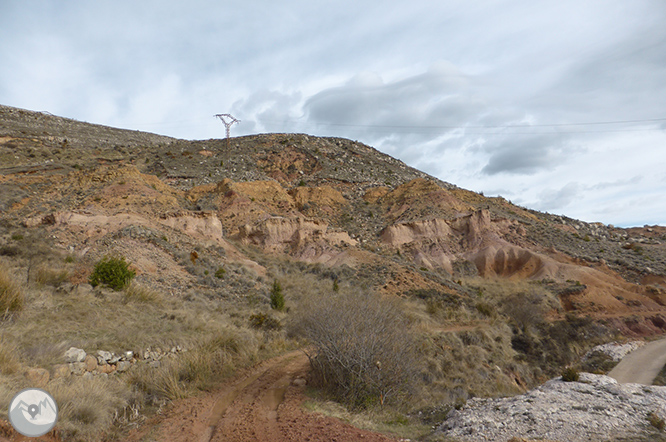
(201, 225)
(308, 239)
(614, 350)
(595, 408)
(405, 233)
(438, 242)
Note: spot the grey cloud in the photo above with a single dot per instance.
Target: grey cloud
(617, 183)
(423, 105)
(558, 199)
(524, 154)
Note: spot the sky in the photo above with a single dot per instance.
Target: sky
(558, 106)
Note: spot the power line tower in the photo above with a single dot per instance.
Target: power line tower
(227, 124)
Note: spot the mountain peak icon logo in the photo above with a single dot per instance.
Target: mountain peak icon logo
(33, 412)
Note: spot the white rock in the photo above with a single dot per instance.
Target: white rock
(105, 355)
(75, 355)
(566, 411)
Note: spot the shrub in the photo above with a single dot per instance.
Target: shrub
(12, 297)
(485, 309)
(570, 374)
(264, 321)
(113, 272)
(277, 298)
(363, 351)
(220, 272)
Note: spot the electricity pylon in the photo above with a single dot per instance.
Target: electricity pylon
(227, 124)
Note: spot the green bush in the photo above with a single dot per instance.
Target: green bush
(277, 298)
(220, 272)
(113, 272)
(570, 374)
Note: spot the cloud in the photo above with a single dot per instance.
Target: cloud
(427, 103)
(558, 199)
(525, 154)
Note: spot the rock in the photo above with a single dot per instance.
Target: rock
(299, 382)
(128, 355)
(105, 355)
(563, 411)
(37, 377)
(154, 364)
(87, 375)
(615, 350)
(91, 363)
(105, 369)
(123, 366)
(114, 359)
(77, 368)
(84, 289)
(75, 355)
(60, 371)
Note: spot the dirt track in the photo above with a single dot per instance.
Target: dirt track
(264, 405)
(641, 366)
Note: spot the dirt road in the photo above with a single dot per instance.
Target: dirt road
(641, 366)
(263, 405)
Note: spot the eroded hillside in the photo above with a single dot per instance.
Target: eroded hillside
(218, 222)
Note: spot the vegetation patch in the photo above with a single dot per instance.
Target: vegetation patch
(363, 350)
(113, 272)
(12, 298)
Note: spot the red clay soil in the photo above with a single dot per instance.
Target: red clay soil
(264, 405)
(8, 434)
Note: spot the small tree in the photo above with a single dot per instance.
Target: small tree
(113, 272)
(277, 298)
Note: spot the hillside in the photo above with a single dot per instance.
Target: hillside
(208, 226)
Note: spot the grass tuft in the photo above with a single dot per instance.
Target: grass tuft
(140, 294)
(12, 298)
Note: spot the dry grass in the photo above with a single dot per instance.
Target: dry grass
(380, 420)
(140, 294)
(12, 298)
(87, 407)
(9, 361)
(216, 334)
(201, 368)
(46, 274)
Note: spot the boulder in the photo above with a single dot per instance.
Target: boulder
(91, 363)
(106, 369)
(104, 356)
(77, 368)
(123, 366)
(60, 371)
(75, 355)
(37, 377)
